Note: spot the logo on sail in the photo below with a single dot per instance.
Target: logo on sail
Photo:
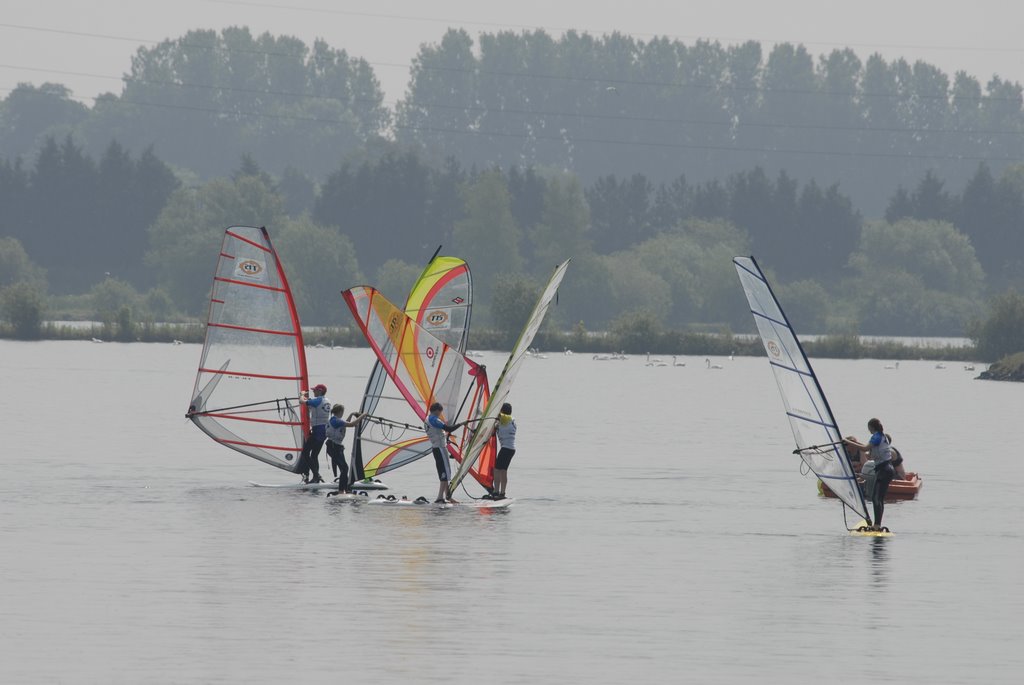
(437, 318)
(773, 349)
(250, 268)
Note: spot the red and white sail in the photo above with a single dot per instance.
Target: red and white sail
(253, 364)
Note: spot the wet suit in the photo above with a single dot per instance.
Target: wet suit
(336, 450)
(319, 411)
(436, 429)
(881, 454)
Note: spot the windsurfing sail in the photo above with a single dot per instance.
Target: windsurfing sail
(481, 442)
(818, 440)
(423, 368)
(440, 302)
(253, 363)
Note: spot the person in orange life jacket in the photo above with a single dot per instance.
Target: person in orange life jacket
(437, 430)
(336, 443)
(319, 412)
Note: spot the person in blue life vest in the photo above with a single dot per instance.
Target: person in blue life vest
(506, 432)
(336, 443)
(319, 413)
(878, 450)
(437, 431)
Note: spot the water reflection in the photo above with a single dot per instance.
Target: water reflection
(880, 560)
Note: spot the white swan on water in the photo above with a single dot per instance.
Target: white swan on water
(710, 365)
(675, 362)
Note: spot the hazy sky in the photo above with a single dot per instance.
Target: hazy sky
(88, 46)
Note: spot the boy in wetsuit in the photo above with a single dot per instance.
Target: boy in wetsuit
(336, 443)
(437, 431)
(319, 413)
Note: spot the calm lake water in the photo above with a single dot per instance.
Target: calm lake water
(662, 530)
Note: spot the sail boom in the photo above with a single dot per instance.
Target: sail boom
(790, 368)
(251, 374)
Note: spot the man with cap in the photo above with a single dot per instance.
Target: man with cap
(319, 413)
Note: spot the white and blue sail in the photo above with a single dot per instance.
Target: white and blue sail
(488, 418)
(817, 436)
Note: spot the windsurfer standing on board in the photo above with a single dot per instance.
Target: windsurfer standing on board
(319, 413)
(877, 449)
(506, 432)
(336, 443)
(437, 431)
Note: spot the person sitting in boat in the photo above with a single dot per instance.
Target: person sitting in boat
(897, 461)
(867, 468)
(319, 413)
(878, 450)
(437, 431)
(336, 443)
(853, 453)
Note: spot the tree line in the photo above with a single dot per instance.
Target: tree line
(131, 234)
(592, 105)
(650, 162)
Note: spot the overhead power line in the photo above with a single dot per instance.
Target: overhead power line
(603, 81)
(483, 110)
(680, 37)
(565, 139)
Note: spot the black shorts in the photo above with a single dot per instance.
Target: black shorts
(504, 458)
(441, 462)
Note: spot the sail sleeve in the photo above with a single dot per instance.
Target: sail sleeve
(817, 436)
(482, 442)
(253, 363)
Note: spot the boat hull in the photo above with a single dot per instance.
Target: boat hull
(898, 489)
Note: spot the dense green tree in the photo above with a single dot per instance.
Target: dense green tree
(564, 227)
(441, 100)
(298, 191)
(1002, 332)
(637, 331)
(514, 298)
(30, 114)
(621, 211)
(111, 295)
(395, 279)
(209, 97)
(185, 237)
(488, 237)
(23, 305)
(915, 276)
(385, 207)
(16, 267)
(320, 263)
